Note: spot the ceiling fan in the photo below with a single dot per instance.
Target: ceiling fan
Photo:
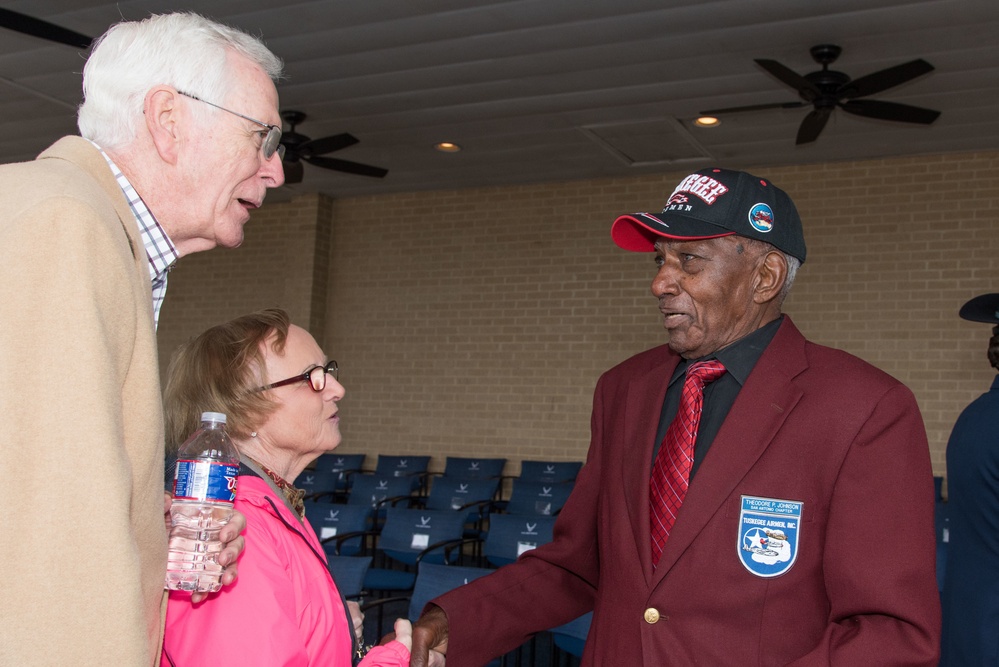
(39, 28)
(826, 89)
(300, 149)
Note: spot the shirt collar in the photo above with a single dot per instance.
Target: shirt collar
(739, 357)
(160, 251)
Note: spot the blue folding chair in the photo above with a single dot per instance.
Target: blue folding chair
(473, 468)
(571, 637)
(536, 498)
(431, 581)
(343, 465)
(549, 471)
(434, 580)
(411, 536)
(510, 535)
(339, 527)
(317, 483)
(472, 496)
(348, 574)
(413, 468)
(377, 491)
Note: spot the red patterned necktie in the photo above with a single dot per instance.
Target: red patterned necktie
(671, 471)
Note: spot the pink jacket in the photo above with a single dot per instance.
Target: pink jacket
(283, 610)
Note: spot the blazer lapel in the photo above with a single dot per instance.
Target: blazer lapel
(644, 404)
(755, 418)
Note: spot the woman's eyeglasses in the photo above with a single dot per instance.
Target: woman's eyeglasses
(315, 376)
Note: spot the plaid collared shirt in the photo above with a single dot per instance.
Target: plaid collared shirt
(159, 249)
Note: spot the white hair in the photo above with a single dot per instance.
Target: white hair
(793, 264)
(183, 50)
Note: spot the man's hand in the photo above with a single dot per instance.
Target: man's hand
(232, 542)
(430, 634)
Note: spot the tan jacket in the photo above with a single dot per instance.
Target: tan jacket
(81, 426)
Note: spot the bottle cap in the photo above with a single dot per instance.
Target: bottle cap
(213, 417)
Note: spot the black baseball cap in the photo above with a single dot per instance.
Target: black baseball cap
(983, 308)
(717, 202)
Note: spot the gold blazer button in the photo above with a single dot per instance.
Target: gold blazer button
(651, 615)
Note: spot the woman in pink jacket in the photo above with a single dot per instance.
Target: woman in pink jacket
(280, 395)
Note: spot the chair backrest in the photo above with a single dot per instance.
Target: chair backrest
(348, 573)
(472, 468)
(449, 493)
(331, 520)
(316, 482)
(511, 535)
(372, 490)
(433, 580)
(408, 532)
(550, 471)
(342, 465)
(338, 463)
(571, 637)
(401, 466)
(413, 468)
(537, 498)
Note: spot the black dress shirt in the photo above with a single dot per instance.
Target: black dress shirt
(739, 358)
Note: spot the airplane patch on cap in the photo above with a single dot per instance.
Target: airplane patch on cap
(761, 218)
(768, 535)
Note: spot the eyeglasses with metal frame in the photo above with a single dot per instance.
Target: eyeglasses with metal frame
(272, 140)
(315, 376)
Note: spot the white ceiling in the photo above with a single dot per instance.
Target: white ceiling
(546, 90)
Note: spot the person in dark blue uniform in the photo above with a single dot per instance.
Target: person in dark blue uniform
(971, 581)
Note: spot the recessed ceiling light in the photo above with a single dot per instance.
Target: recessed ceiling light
(447, 147)
(707, 121)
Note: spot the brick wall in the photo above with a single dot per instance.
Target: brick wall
(476, 322)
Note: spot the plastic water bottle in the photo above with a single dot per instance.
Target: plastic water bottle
(204, 489)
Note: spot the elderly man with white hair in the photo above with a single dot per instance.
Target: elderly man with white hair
(180, 142)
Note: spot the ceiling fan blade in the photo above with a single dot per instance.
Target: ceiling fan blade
(38, 28)
(804, 87)
(293, 171)
(328, 144)
(812, 126)
(347, 166)
(890, 111)
(754, 107)
(885, 79)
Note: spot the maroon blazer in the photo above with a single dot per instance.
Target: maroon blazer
(841, 440)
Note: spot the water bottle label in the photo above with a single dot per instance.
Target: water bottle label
(205, 480)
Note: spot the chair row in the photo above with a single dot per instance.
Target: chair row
(522, 495)
(347, 530)
(454, 466)
(476, 499)
(332, 472)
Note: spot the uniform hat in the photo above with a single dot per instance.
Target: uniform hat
(984, 308)
(717, 202)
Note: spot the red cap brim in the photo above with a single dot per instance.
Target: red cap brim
(640, 231)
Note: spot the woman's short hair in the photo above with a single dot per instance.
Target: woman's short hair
(183, 50)
(217, 371)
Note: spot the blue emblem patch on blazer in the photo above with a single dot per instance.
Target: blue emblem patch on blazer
(768, 535)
